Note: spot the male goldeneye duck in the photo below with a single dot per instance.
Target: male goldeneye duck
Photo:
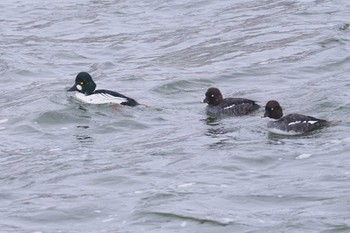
(85, 92)
(292, 124)
(218, 106)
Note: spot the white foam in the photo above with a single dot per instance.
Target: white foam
(185, 185)
(55, 149)
(108, 220)
(303, 156)
(4, 121)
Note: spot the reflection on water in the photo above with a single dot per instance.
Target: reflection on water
(212, 121)
(221, 131)
(84, 139)
(83, 126)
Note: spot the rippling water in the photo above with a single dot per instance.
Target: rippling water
(165, 166)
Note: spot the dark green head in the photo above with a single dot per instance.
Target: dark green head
(84, 84)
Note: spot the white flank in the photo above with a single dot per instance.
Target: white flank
(228, 107)
(303, 122)
(281, 132)
(99, 98)
(311, 122)
(294, 123)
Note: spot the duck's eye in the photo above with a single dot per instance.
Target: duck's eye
(212, 95)
(81, 83)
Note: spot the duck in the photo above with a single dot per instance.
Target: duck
(219, 106)
(291, 124)
(85, 91)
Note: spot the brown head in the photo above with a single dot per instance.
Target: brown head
(213, 96)
(273, 110)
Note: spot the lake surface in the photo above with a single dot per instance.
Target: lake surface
(165, 166)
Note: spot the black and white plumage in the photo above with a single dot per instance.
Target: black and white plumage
(85, 92)
(292, 124)
(219, 106)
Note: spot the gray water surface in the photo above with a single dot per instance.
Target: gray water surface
(165, 166)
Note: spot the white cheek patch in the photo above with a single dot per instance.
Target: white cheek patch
(79, 87)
